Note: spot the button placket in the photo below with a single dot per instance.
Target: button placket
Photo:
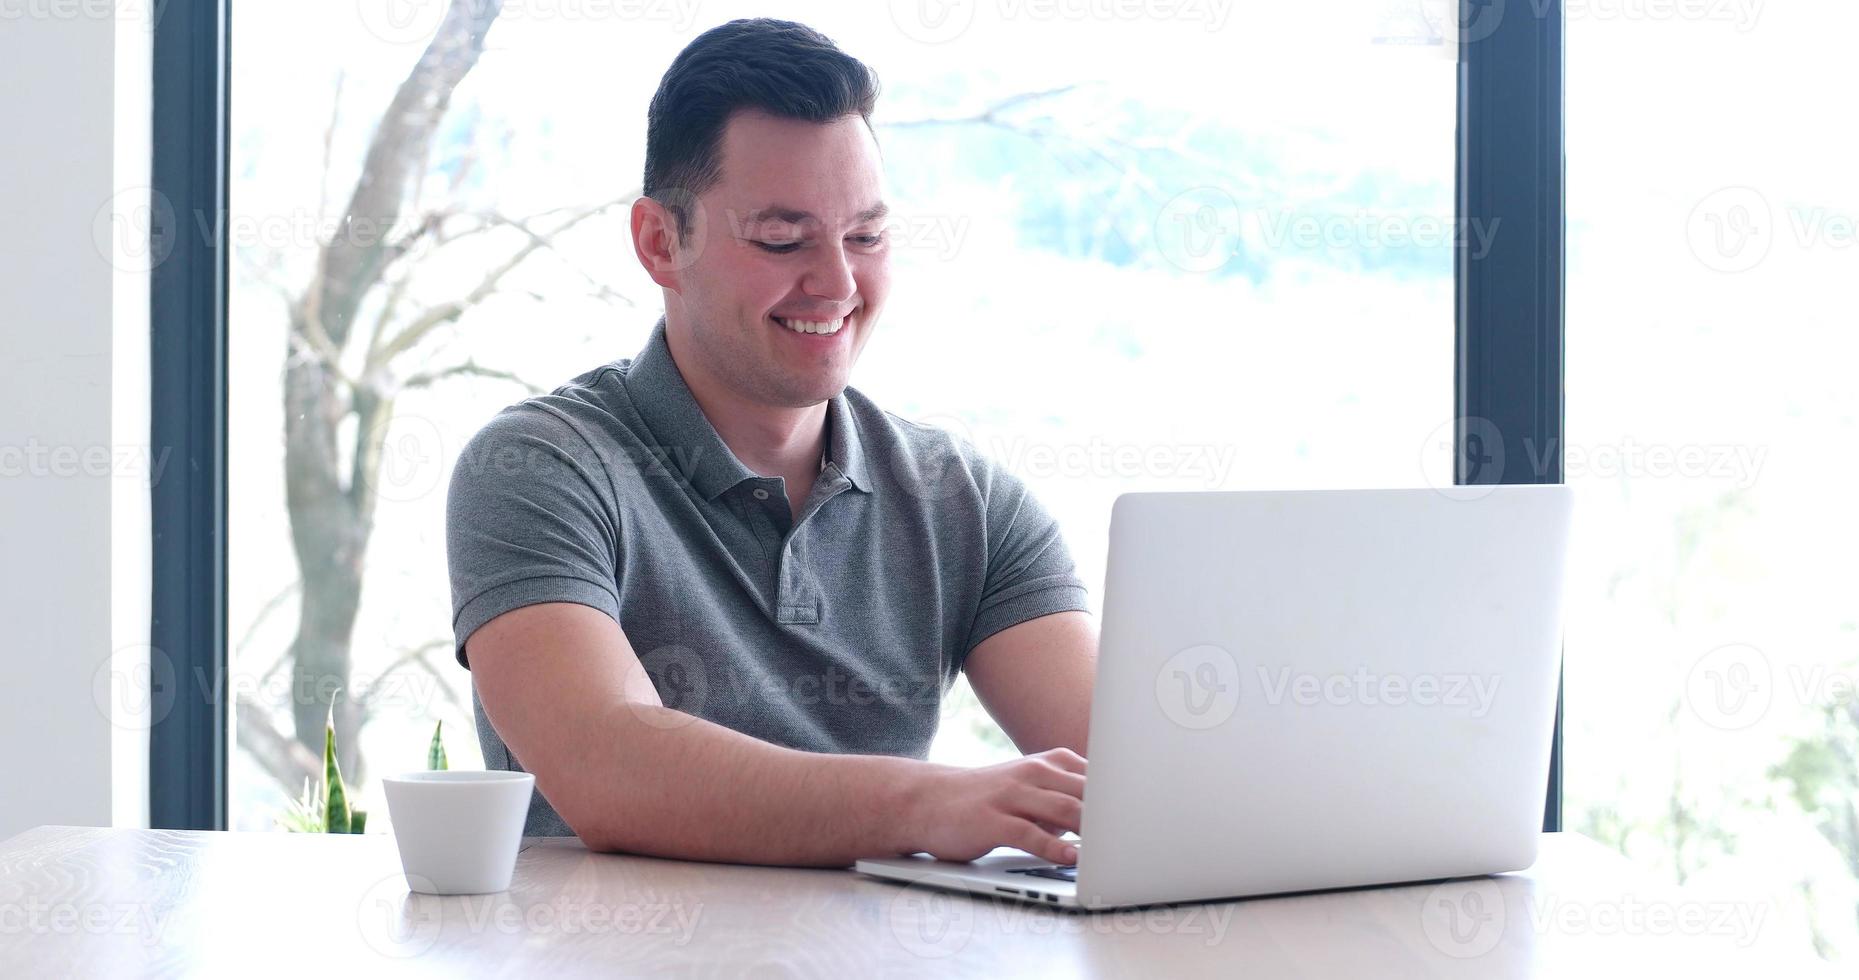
(793, 603)
(760, 523)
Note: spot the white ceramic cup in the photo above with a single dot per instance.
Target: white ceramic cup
(458, 830)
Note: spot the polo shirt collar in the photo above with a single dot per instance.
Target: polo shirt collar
(844, 450)
(663, 399)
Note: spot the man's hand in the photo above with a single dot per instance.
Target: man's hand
(960, 814)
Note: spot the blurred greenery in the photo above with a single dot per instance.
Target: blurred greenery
(1821, 771)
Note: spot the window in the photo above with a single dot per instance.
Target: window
(1207, 247)
(1712, 644)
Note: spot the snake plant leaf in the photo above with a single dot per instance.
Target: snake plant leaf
(304, 815)
(435, 754)
(337, 818)
(358, 819)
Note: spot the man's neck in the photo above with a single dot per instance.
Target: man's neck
(770, 440)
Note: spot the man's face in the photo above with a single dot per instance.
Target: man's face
(793, 234)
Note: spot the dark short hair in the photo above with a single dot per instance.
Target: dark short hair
(785, 69)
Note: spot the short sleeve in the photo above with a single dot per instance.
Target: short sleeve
(530, 517)
(1030, 572)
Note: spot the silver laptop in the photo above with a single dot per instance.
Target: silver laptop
(1304, 690)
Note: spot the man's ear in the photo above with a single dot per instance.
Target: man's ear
(655, 241)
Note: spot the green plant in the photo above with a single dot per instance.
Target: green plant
(324, 807)
(435, 753)
(338, 818)
(304, 815)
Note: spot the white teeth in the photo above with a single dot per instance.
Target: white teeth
(813, 326)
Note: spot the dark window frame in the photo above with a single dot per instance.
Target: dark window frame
(1508, 307)
(188, 737)
(1508, 372)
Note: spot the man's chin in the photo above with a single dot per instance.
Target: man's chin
(809, 397)
(810, 384)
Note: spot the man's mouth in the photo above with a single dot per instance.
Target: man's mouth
(824, 327)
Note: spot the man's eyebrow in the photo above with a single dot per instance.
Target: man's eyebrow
(794, 216)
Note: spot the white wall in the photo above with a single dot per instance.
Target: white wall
(74, 473)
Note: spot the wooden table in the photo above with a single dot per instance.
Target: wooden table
(79, 901)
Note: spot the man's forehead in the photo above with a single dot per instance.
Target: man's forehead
(833, 166)
(790, 214)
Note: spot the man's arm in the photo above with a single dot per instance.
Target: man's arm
(1035, 680)
(568, 695)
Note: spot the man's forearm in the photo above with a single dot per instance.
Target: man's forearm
(665, 783)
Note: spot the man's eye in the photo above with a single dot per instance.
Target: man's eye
(778, 248)
(869, 241)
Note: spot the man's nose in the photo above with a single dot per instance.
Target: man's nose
(830, 275)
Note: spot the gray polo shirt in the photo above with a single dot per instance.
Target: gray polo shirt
(836, 632)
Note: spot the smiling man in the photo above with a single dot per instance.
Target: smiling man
(710, 595)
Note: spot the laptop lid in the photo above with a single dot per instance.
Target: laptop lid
(1318, 689)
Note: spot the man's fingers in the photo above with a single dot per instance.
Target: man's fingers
(1065, 759)
(1031, 839)
(1069, 783)
(1056, 809)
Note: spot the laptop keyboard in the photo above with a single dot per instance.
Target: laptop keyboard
(1061, 872)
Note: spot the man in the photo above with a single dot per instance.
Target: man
(710, 595)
